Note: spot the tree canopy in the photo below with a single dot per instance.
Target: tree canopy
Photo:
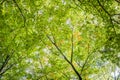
(60, 40)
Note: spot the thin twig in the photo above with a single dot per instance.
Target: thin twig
(86, 61)
(20, 12)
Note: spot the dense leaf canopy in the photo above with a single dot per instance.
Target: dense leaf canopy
(60, 39)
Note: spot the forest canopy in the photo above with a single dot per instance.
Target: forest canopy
(59, 39)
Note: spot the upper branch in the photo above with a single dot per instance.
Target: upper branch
(73, 67)
(103, 8)
(20, 11)
(111, 20)
(58, 48)
(86, 60)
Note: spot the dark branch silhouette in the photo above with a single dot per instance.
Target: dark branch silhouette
(103, 8)
(77, 73)
(4, 67)
(9, 67)
(20, 12)
(111, 20)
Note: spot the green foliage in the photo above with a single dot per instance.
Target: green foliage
(49, 40)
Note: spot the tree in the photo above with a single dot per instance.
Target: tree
(52, 39)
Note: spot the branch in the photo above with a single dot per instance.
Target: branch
(10, 66)
(58, 49)
(20, 12)
(77, 73)
(111, 20)
(86, 60)
(6, 69)
(103, 8)
(5, 63)
(7, 59)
